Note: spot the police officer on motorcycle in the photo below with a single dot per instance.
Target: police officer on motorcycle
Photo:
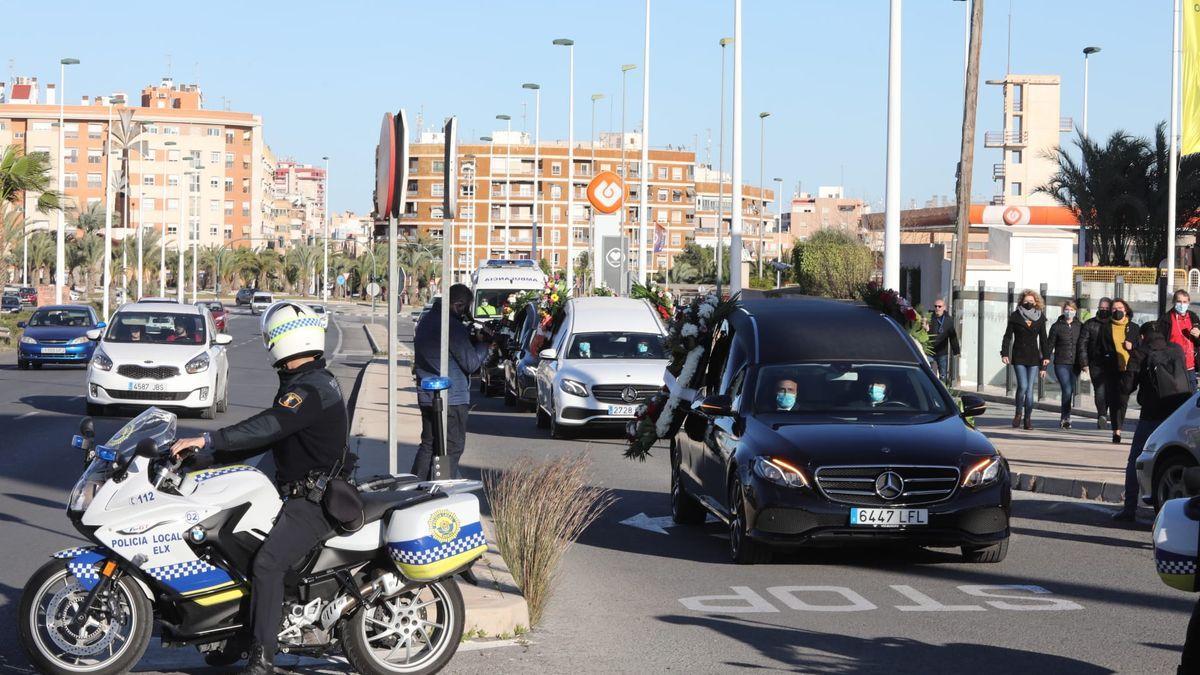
(307, 430)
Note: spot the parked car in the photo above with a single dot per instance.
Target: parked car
(261, 302)
(1172, 449)
(520, 367)
(604, 360)
(800, 436)
(159, 354)
(10, 303)
(217, 310)
(244, 296)
(322, 313)
(57, 334)
(28, 295)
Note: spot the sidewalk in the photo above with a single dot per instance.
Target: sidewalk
(1085, 405)
(495, 608)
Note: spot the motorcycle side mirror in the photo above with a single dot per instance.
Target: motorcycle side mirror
(87, 428)
(146, 448)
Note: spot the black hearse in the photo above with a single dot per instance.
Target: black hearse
(820, 422)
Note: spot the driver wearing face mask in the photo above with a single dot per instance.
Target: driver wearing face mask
(785, 394)
(877, 392)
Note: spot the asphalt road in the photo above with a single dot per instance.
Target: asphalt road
(1074, 596)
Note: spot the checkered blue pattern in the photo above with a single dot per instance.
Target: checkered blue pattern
(288, 326)
(426, 556)
(216, 473)
(191, 575)
(179, 570)
(1169, 562)
(68, 553)
(82, 564)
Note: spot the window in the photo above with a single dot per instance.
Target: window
(40, 126)
(214, 183)
(212, 131)
(229, 208)
(212, 230)
(71, 156)
(229, 185)
(555, 215)
(463, 234)
(194, 183)
(148, 180)
(171, 131)
(676, 240)
(662, 194)
(70, 180)
(149, 203)
(437, 189)
(676, 195)
(92, 201)
(214, 157)
(556, 192)
(662, 173)
(245, 208)
(229, 137)
(172, 228)
(660, 215)
(93, 180)
(1016, 189)
(229, 160)
(71, 130)
(172, 155)
(1016, 156)
(214, 206)
(555, 169)
(173, 204)
(467, 190)
(555, 236)
(436, 213)
(677, 173)
(466, 212)
(675, 217)
(94, 131)
(439, 166)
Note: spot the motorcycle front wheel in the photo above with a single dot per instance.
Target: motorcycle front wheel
(112, 639)
(415, 632)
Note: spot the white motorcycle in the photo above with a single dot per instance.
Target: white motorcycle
(175, 547)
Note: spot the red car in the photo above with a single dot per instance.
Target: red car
(28, 295)
(218, 313)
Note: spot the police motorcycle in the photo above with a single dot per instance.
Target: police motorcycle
(1177, 537)
(173, 543)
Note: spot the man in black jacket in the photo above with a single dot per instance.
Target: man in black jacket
(307, 430)
(1090, 352)
(943, 338)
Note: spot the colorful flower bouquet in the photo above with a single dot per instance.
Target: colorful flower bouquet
(896, 306)
(657, 295)
(550, 303)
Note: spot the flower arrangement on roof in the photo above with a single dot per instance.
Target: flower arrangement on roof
(898, 308)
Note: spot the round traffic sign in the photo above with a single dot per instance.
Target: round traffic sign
(606, 192)
(341, 280)
(385, 168)
(373, 289)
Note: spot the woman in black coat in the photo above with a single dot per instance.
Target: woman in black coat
(1108, 355)
(1023, 348)
(1062, 345)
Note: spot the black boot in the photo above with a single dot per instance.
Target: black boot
(259, 662)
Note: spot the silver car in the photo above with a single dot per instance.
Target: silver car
(1171, 449)
(604, 361)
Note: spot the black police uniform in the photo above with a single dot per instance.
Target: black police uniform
(307, 431)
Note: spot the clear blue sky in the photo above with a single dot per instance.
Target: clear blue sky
(322, 74)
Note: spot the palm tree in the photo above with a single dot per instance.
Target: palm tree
(21, 173)
(42, 255)
(421, 261)
(12, 231)
(85, 244)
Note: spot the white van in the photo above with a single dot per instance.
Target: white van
(497, 280)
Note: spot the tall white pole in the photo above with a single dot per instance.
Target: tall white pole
(162, 241)
(108, 209)
(1173, 175)
(570, 167)
(643, 208)
(508, 188)
(393, 295)
(180, 243)
(60, 237)
(537, 140)
(721, 174)
(735, 226)
(140, 264)
(325, 281)
(891, 221)
(762, 192)
(1085, 95)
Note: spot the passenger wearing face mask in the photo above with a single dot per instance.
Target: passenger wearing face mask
(1089, 352)
(877, 392)
(1182, 326)
(1062, 346)
(785, 394)
(1023, 347)
(1110, 356)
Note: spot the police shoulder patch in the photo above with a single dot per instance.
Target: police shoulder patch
(291, 400)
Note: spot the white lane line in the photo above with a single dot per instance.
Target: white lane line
(18, 418)
(337, 350)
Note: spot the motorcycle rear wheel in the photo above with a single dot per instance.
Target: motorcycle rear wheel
(113, 645)
(413, 633)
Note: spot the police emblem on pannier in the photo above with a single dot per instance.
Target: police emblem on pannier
(443, 525)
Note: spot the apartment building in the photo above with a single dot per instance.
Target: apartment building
(191, 166)
(1030, 133)
(496, 186)
(758, 223)
(828, 209)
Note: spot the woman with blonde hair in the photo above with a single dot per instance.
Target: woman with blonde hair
(1024, 348)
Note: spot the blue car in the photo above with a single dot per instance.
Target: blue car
(58, 334)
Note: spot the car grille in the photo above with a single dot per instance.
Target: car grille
(856, 484)
(147, 395)
(144, 373)
(611, 393)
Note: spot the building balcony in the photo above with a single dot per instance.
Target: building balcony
(997, 200)
(998, 172)
(1066, 125)
(1002, 139)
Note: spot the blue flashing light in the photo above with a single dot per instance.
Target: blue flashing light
(435, 383)
(106, 453)
(77, 441)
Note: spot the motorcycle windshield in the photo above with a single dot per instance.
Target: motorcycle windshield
(154, 423)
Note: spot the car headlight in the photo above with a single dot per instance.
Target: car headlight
(573, 387)
(982, 473)
(82, 339)
(26, 340)
(100, 360)
(779, 471)
(198, 364)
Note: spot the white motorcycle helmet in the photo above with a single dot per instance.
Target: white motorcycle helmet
(290, 329)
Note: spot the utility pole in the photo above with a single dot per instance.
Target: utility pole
(967, 157)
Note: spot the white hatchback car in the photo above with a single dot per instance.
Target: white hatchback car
(605, 360)
(169, 355)
(260, 302)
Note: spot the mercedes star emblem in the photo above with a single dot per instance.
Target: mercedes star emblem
(889, 485)
(629, 394)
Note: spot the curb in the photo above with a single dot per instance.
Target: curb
(1094, 490)
(1050, 405)
(378, 344)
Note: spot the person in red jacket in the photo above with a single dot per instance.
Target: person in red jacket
(1182, 327)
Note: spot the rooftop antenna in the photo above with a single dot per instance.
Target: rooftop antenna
(1008, 63)
(524, 116)
(708, 148)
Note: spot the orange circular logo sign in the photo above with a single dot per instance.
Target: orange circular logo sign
(606, 192)
(1012, 215)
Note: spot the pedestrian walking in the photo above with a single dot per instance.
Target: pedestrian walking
(1062, 344)
(466, 356)
(943, 339)
(1089, 353)
(1156, 370)
(1110, 354)
(1023, 347)
(1182, 326)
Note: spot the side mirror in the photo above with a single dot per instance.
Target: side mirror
(717, 405)
(20, 324)
(549, 354)
(93, 334)
(101, 324)
(223, 338)
(973, 406)
(146, 448)
(87, 428)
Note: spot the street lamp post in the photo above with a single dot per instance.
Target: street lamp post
(491, 168)
(570, 45)
(778, 229)
(537, 140)
(591, 174)
(735, 207)
(644, 210)
(762, 194)
(1087, 51)
(108, 209)
(325, 253)
(507, 180)
(60, 239)
(162, 241)
(624, 166)
(721, 172)
(891, 221)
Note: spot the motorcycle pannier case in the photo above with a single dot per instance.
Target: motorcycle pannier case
(1176, 537)
(433, 539)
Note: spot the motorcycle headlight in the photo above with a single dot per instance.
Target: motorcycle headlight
(779, 471)
(26, 340)
(82, 339)
(198, 364)
(982, 473)
(573, 387)
(101, 361)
